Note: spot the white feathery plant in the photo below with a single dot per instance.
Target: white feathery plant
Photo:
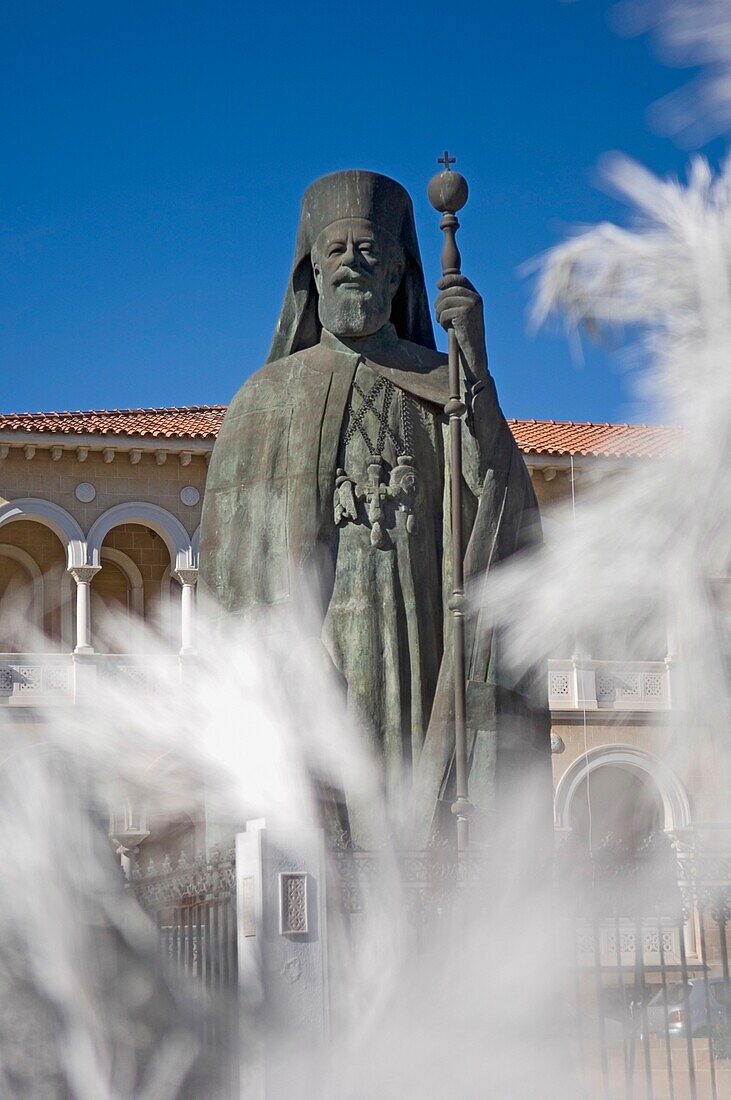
(657, 535)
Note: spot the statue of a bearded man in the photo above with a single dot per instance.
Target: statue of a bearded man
(331, 473)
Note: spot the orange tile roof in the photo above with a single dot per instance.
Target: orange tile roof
(567, 437)
(547, 437)
(190, 421)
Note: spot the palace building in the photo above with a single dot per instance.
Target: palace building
(100, 511)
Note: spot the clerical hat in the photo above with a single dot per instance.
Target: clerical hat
(352, 194)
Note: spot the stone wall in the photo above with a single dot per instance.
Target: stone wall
(115, 482)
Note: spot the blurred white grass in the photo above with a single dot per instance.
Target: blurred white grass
(690, 33)
(656, 536)
(87, 1011)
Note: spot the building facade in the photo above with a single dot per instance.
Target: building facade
(99, 528)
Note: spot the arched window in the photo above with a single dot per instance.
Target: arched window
(616, 806)
(676, 809)
(620, 806)
(129, 614)
(34, 588)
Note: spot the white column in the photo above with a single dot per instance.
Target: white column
(282, 951)
(188, 578)
(83, 575)
(672, 632)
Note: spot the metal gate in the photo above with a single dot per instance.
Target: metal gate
(643, 937)
(640, 943)
(194, 907)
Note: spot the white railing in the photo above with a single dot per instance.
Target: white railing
(620, 942)
(583, 684)
(40, 679)
(29, 678)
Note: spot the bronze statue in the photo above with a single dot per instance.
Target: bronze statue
(330, 474)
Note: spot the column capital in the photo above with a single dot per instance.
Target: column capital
(187, 576)
(84, 574)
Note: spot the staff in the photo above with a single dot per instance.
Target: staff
(448, 193)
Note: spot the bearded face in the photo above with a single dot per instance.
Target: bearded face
(357, 269)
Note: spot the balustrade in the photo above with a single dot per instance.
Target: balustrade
(42, 679)
(584, 684)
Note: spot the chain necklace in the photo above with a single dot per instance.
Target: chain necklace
(400, 491)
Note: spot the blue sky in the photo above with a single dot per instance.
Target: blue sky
(155, 155)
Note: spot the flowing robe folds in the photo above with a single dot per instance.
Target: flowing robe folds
(268, 534)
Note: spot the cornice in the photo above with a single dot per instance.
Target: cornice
(19, 440)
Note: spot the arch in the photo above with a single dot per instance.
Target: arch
(51, 515)
(675, 801)
(167, 526)
(195, 543)
(22, 557)
(132, 573)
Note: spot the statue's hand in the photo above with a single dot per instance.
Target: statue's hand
(460, 306)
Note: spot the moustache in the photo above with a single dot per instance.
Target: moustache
(357, 277)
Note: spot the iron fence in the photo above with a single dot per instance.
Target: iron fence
(643, 936)
(639, 942)
(194, 907)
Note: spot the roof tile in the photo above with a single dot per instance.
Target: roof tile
(546, 437)
(568, 437)
(189, 421)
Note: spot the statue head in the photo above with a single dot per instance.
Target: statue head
(358, 268)
(356, 265)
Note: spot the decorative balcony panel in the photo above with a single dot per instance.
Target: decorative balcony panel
(138, 671)
(35, 678)
(608, 685)
(621, 942)
(45, 679)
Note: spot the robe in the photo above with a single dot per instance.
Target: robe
(383, 625)
(268, 535)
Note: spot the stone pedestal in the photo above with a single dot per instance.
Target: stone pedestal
(84, 676)
(282, 951)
